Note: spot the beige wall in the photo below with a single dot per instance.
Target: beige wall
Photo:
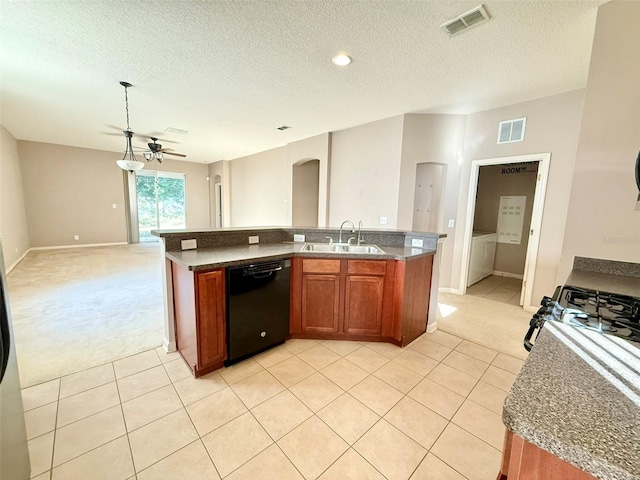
(223, 169)
(552, 126)
(602, 221)
(304, 199)
(365, 173)
(259, 189)
(437, 139)
(318, 148)
(70, 191)
(493, 183)
(13, 216)
(196, 188)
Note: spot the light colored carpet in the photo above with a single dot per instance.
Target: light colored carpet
(496, 325)
(77, 308)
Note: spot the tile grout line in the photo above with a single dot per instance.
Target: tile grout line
(124, 421)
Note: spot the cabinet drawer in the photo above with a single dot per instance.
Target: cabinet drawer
(367, 267)
(318, 265)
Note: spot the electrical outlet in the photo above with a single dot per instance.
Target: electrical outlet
(189, 244)
(76, 237)
(452, 222)
(253, 239)
(298, 238)
(417, 242)
(383, 220)
(114, 205)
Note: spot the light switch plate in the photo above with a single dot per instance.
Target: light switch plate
(114, 205)
(417, 242)
(452, 222)
(253, 239)
(383, 220)
(189, 244)
(298, 238)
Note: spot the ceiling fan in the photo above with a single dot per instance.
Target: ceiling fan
(129, 161)
(157, 152)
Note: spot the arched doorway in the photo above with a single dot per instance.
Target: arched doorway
(306, 187)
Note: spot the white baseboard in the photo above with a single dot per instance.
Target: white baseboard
(432, 326)
(449, 290)
(15, 264)
(169, 346)
(84, 245)
(507, 274)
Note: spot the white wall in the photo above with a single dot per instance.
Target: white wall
(553, 124)
(13, 217)
(365, 173)
(437, 139)
(318, 148)
(259, 189)
(602, 221)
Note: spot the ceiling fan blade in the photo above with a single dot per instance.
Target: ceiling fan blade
(165, 150)
(112, 134)
(155, 135)
(175, 154)
(115, 127)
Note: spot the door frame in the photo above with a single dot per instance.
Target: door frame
(156, 174)
(543, 160)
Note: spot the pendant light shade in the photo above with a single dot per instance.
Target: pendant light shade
(130, 165)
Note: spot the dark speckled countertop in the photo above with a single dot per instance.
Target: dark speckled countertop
(226, 256)
(578, 397)
(578, 394)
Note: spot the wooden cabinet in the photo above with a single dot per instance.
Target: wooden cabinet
(200, 317)
(370, 300)
(522, 460)
(342, 298)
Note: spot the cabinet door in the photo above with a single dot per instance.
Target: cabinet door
(320, 303)
(363, 304)
(212, 342)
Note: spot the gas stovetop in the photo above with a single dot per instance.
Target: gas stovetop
(608, 313)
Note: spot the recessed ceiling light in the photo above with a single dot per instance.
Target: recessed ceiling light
(341, 60)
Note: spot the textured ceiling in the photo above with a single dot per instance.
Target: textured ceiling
(230, 72)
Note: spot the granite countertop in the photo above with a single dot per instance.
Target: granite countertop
(226, 256)
(578, 397)
(605, 282)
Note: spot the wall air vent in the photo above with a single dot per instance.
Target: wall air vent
(465, 21)
(511, 131)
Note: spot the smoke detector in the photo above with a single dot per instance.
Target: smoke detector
(465, 21)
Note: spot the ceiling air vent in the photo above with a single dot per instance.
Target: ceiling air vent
(511, 130)
(283, 127)
(465, 21)
(177, 131)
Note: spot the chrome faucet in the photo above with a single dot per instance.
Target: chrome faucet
(353, 229)
(359, 232)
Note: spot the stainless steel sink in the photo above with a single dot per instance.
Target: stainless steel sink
(341, 248)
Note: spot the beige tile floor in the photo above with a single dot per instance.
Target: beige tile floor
(307, 409)
(498, 289)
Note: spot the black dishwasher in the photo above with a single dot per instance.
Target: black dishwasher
(257, 308)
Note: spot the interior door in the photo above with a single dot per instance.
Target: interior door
(161, 202)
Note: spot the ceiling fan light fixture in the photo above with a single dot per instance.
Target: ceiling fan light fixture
(148, 156)
(130, 165)
(159, 156)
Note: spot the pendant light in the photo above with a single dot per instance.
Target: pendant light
(129, 161)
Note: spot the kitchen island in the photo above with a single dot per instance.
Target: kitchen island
(574, 409)
(386, 296)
